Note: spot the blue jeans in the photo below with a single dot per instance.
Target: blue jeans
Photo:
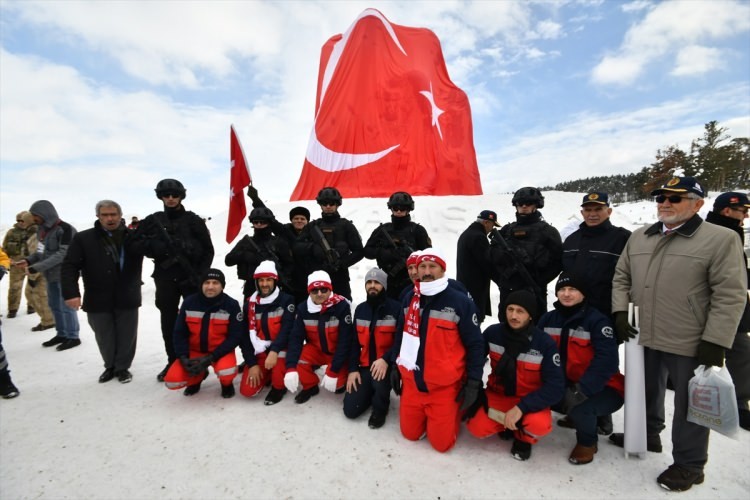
(66, 319)
(584, 415)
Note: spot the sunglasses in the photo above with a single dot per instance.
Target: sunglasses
(321, 291)
(525, 203)
(400, 208)
(170, 195)
(673, 198)
(259, 222)
(327, 203)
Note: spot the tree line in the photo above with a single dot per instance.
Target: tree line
(720, 163)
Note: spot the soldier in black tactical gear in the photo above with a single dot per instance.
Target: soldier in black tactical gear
(526, 254)
(392, 243)
(262, 245)
(331, 243)
(179, 243)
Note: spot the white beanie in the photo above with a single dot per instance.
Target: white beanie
(434, 255)
(266, 269)
(318, 279)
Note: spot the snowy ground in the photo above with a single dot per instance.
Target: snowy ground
(67, 436)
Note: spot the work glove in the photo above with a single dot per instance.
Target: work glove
(201, 364)
(291, 381)
(469, 393)
(187, 364)
(623, 330)
(573, 397)
(329, 383)
(396, 380)
(710, 354)
(252, 193)
(472, 397)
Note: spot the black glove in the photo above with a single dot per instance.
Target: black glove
(32, 283)
(252, 193)
(204, 362)
(480, 400)
(469, 394)
(573, 397)
(396, 380)
(710, 354)
(187, 364)
(623, 330)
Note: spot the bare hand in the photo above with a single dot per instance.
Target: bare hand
(512, 417)
(74, 303)
(378, 369)
(271, 358)
(351, 382)
(23, 263)
(253, 376)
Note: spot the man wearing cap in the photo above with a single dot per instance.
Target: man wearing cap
(473, 264)
(324, 325)
(591, 252)
(440, 356)
(528, 254)
(390, 244)
(730, 211)
(180, 245)
(689, 282)
(525, 378)
(270, 315)
(375, 321)
(590, 361)
(208, 328)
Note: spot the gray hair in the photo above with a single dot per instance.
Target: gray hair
(108, 203)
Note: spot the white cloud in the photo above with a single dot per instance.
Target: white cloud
(666, 29)
(636, 6)
(696, 60)
(546, 30)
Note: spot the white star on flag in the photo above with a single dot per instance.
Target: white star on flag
(436, 112)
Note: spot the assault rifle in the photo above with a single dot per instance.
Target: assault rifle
(400, 263)
(517, 264)
(176, 253)
(332, 256)
(275, 258)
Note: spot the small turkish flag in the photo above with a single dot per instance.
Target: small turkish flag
(239, 179)
(387, 117)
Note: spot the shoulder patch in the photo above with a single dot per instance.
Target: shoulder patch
(290, 308)
(556, 359)
(607, 332)
(474, 319)
(348, 319)
(240, 316)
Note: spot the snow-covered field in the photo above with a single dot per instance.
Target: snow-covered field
(67, 436)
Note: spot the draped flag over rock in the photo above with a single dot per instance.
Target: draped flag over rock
(239, 179)
(388, 117)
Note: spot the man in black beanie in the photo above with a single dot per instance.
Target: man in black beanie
(526, 378)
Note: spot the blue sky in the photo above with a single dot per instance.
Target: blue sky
(103, 99)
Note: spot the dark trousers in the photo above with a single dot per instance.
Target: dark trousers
(689, 440)
(585, 414)
(116, 334)
(370, 392)
(738, 364)
(168, 295)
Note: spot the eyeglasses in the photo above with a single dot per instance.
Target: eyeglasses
(400, 209)
(673, 198)
(320, 291)
(736, 209)
(170, 195)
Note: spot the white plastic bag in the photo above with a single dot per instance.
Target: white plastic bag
(712, 401)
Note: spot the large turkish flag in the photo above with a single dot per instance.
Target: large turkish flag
(388, 118)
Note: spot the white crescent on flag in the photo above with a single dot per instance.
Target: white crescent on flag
(318, 154)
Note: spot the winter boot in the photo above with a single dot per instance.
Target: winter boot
(12, 314)
(227, 391)
(305, 394)
(521, 450)
(274, 396)
(7, 389)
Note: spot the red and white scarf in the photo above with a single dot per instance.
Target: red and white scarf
(259, 344)
(407, 356)
(329, 303)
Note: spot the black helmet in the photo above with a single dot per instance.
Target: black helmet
(528, 195)
(401, 199)
(330, 195)
(170, 186)
(261, 213)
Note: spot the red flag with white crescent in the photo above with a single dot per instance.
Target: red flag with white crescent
(239, 179)
(388, 118)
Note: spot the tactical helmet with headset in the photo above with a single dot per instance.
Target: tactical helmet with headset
(329, 195)
(166, 186)
(261, 213)
(401, 199)
(528, 195)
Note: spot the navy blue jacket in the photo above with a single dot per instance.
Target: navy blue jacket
(387, 310)
(282, 312)
(209, 336)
